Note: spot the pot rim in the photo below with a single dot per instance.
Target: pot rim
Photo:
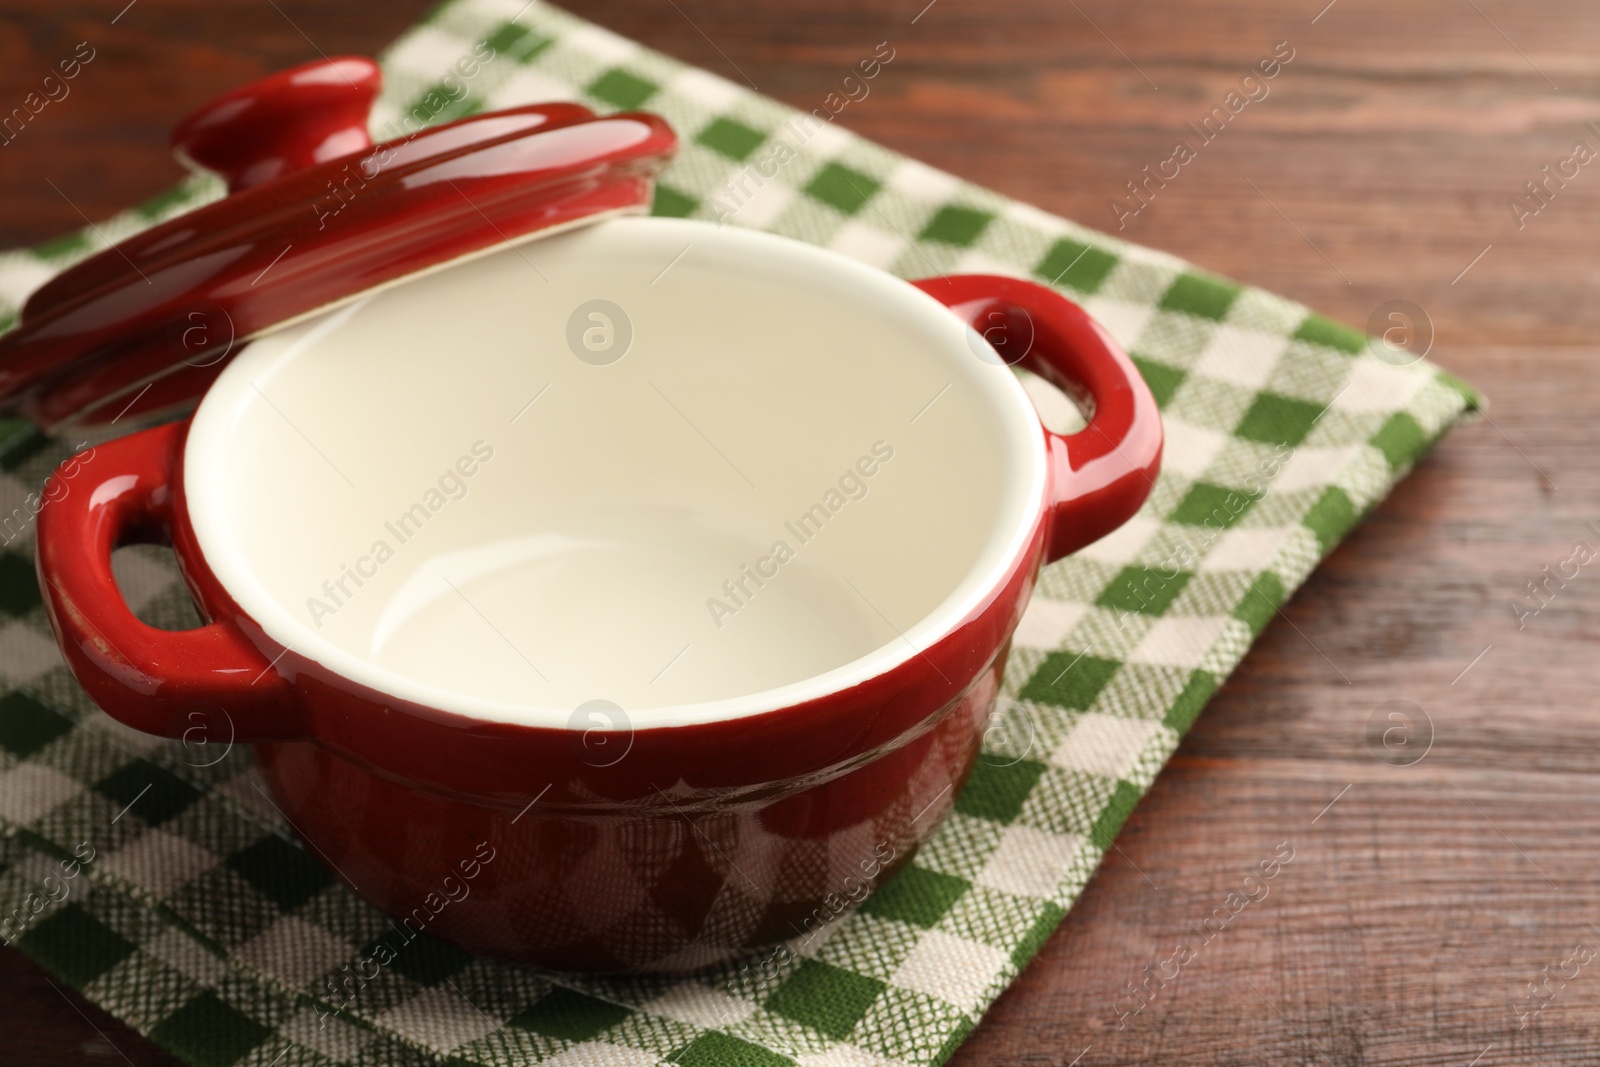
(206, 464)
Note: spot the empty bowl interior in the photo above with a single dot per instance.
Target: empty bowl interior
(652, 462)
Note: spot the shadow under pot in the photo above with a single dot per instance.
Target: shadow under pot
(630, 599)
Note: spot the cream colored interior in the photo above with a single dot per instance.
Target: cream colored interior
(429, 492)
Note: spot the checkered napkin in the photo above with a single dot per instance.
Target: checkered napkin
(156, 878)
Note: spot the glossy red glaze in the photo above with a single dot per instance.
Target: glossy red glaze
(122, 492)
(1102, 474)
(284, 122)
(318, 215)
(660, 849)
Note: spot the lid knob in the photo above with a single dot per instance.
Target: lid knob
(281, 123)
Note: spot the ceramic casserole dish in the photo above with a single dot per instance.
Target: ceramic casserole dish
(596, 591)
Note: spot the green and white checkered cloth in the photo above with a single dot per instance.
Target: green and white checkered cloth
(202, 923)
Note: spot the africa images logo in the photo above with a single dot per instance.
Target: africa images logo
(452, 485)
(737, 592)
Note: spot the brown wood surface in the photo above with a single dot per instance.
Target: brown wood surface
(1420, 906)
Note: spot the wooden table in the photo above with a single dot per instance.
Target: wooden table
(1423, 899)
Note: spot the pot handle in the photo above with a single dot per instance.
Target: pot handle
(210, 682)
(1101, 475)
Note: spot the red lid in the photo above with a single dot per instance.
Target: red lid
(316, 215)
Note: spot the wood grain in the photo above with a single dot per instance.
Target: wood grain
(1418, 906)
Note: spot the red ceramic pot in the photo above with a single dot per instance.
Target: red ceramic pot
(628, 599)
(678, 652)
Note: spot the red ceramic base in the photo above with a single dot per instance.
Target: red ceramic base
(664, 885)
